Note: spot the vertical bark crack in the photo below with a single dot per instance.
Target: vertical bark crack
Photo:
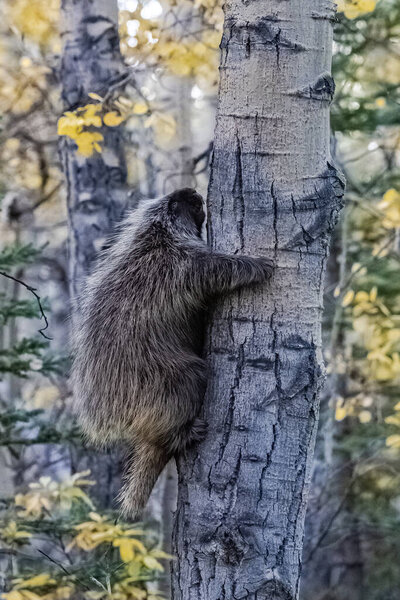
(275, 218)
(239, 204)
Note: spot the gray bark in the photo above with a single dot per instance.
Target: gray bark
(273, 192)
(96, 195)
(91, 62)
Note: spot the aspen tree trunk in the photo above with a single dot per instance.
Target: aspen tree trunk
(273, 192)
(96, 195)
(91, 62)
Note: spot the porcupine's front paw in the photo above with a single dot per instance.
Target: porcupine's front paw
(197, 431)
(266, 266)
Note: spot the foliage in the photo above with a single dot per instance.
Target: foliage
(163, 39)
(35, 19)
(364, 322)
(58, 547)
(78, 125)
(62, 549)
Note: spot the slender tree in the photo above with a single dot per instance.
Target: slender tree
(274, 192)
(96, 194)
(91, 63)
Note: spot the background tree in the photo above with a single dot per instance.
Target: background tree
(93, 160)
(352, 533)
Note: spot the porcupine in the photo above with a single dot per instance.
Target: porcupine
(138, 375)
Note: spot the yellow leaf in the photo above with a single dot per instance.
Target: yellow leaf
(95, 96)
(340, 413)
(383, 372)
(77, 478)
(373, 294)
(60, 593)
(140, 108)
(134, 532)
(393, 441)
(112, 119)
(25, 62)
(355, 8)
(86, 142)
(390, 196)
(69, 126)
(393, 420)
(151, 563)
(37, 581)
(13, 595)
(90, 116)
(10, 533)
(364, 416)
(75, 492)
(385, 482)
(125, 549)
(348, 298)
(212, 38)
(46, 396)
(29, 595)
(35, 19)
(12, 144)
(22, 534)
(96, 517)
(90, 109)
(380, 250)
(361, 297)
(390, 205)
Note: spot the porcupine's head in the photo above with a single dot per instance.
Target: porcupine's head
(182, 210)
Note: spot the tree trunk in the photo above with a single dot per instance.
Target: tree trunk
(91, 62)
(274, 192)
(96, 195)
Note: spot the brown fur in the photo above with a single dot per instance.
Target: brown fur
(138, 375)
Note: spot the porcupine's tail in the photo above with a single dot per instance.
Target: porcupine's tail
(144, 463)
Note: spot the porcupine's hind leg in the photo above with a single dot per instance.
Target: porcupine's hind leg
(142, 465)
(145, 461)
(194, 431)
(164, 431)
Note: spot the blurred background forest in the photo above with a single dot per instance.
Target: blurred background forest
(61, 537)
